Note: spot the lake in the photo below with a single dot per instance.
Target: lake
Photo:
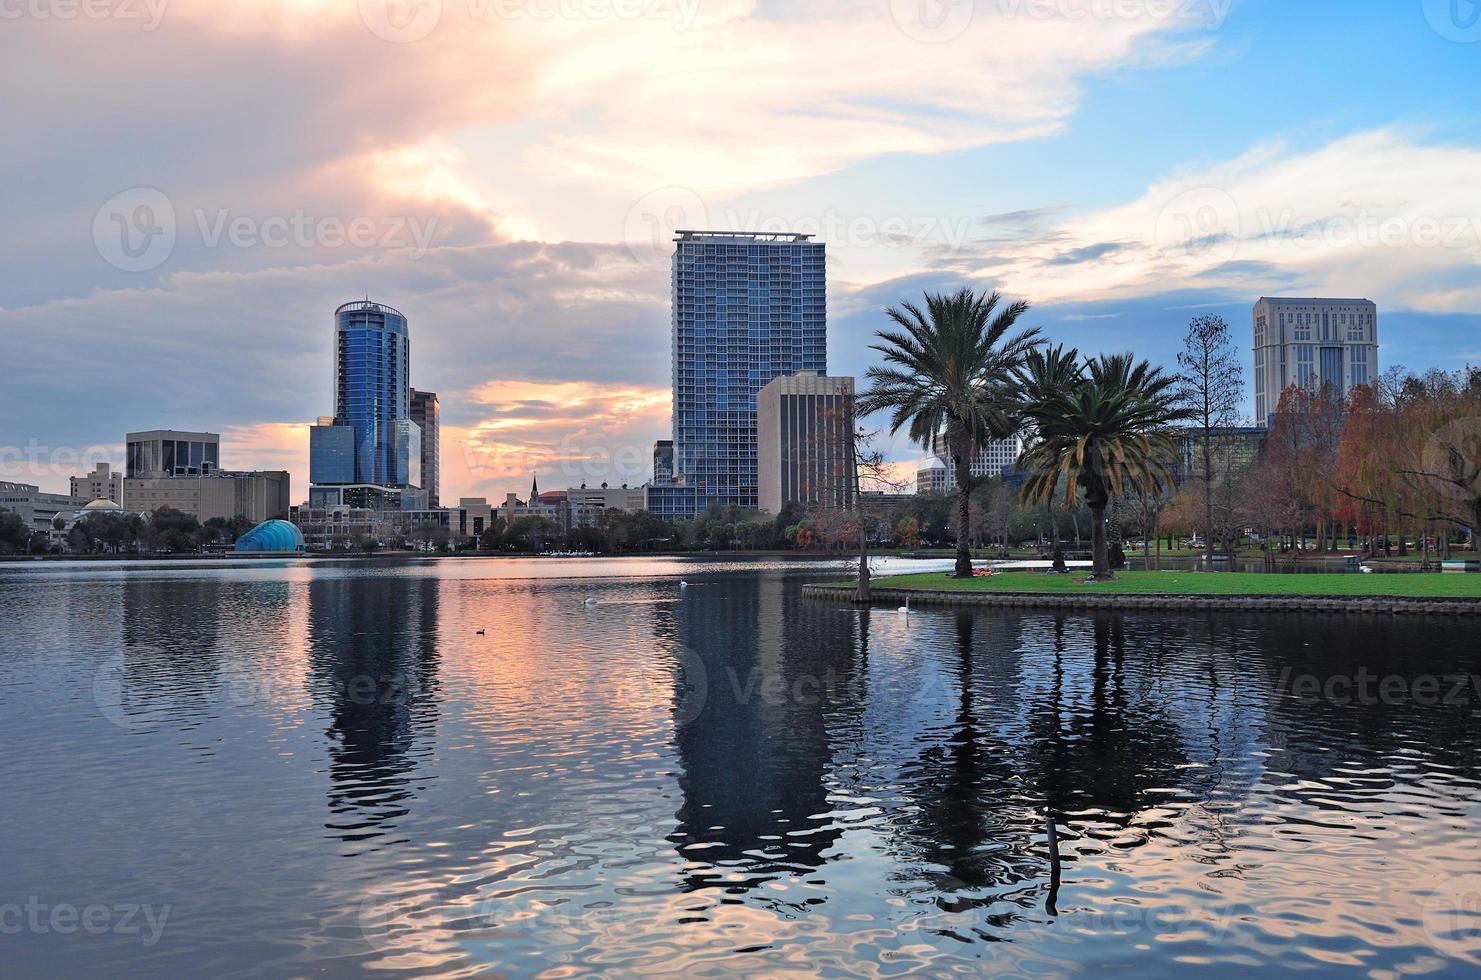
(463, 767)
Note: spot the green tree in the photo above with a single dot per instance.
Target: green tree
(13, 532)
(1103, 433)
(951, 368)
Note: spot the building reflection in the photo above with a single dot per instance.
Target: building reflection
(373, 659)
(780, 677)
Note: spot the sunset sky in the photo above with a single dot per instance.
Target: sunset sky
(191, 187)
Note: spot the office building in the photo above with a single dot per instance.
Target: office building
(1312, 343)
(663, 462)
(426, 412)
(1235, 447)
(370, 452)
(587, 504)
(997, 458)
(101, 484)
(35, 508)
(805, 442)
(372, 388)
(258, 496)
(163, 453)
(747, 308)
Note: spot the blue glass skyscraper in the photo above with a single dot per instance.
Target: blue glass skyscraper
(372, 389)
(747, 308)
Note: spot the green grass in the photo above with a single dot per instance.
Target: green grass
(1198, 583)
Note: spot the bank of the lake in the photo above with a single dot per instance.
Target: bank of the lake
(1416, 593)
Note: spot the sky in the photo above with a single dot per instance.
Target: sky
(190, 188)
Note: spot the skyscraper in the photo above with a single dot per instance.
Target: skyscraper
(370, 450)
(426, 412)
(1312, 342)
(805, 442)
(372, 390)
(747, 308)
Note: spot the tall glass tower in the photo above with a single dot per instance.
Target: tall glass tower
(747, 308)
(372, 358)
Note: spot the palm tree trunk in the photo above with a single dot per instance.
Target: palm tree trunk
(962, 460)
(1101, 564)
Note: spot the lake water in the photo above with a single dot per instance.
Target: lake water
(461, 768)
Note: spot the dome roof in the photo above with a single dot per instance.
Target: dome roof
(102, 503)
(272, 537)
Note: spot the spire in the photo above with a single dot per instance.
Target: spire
(534, 490)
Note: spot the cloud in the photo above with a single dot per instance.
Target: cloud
(1382, 214)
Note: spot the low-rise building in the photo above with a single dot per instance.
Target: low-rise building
(587, 504)
(36, 508)
(103, 483)
(257, 496)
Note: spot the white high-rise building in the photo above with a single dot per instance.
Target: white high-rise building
(997, 458)
(1312, 342)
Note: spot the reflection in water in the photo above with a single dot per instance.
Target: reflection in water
(722, 779)
(756, 759)
(373, 657)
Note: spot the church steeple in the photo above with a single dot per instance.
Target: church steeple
(534, 490)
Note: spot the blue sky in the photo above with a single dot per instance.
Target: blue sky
(516, 173)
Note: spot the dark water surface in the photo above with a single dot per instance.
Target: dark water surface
(295, 768)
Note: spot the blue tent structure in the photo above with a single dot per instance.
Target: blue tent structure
(271, 538)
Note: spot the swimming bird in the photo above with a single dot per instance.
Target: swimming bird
(683, 584)
(482, 632)
(905, 608)
(592, 601)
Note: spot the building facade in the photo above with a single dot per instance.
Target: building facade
(587, 504)
(998, 458)
(1312, 343)
(747, 308)
(371, 443)
(258, 496)
(167, 452)
(372, 387)
(35, 508)
(805, 442)
(426, 412)
(101, 484)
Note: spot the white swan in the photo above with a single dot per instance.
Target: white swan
(592, 601)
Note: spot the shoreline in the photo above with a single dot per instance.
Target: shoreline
(1369, 604)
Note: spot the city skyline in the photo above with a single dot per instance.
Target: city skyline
(1160, 169)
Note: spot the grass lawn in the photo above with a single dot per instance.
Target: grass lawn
(1200, 583)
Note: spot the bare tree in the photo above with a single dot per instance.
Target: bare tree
(1212, 393)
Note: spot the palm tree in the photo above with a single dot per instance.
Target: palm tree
(1047, 370)
(1102, 432)
(951, 367)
